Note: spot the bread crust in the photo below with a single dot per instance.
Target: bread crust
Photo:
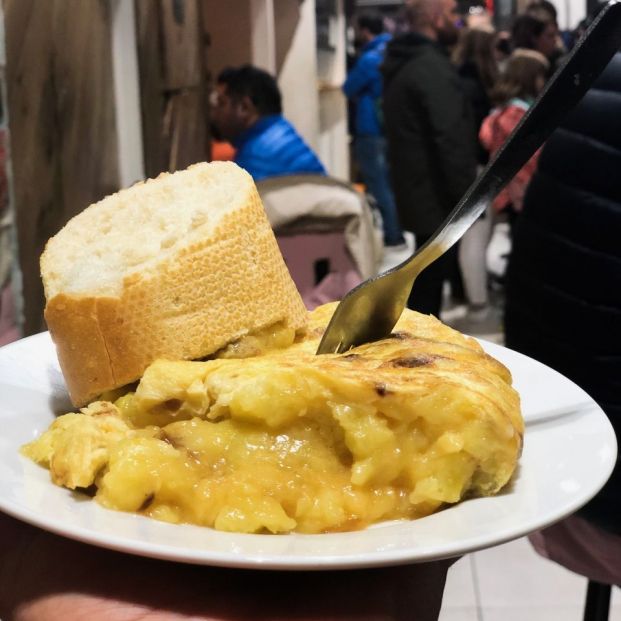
(186, 307)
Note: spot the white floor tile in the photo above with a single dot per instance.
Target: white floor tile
(533, 613)
(513, 575)
(459, 614)
(542, 613)
(459, 590)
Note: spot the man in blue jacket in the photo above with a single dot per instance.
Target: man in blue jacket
(247, 111)
(364, 87)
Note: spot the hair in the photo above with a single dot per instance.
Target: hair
(502, 44)
(527, 28)
(371, 22)
(252, 82)
(520, 76)
(420, 13)
(542, 9)
(475, 46)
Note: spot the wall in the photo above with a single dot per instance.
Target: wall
(228, 29)
(127, 92)
(331, 72)
(10, 275)
(172, 59)
(62, 120)
(297, 66)
(570, 13)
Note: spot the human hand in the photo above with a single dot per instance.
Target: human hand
(44, 577)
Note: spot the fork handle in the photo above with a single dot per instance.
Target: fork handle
(562, 92)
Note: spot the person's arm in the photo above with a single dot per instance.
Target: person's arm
(486, 133)
(359, 78)
(44, 577)
(516, 188)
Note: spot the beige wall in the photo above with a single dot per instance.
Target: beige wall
(126, 92)
(296, 63)
(570, 12)
(331, 70)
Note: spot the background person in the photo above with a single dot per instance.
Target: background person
(515, 92)
(247, 112)
(429, 129)
(531, 32)
(545, 10)
(477, 67)
(364, 86)
(478, 71)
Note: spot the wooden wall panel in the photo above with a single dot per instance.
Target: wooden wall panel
(182, 47)
(173, 84)
(152, 92)
(288, 17)
(62, 122)
(229, 33)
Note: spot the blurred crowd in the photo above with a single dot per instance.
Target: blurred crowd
(453, 90)
(435, 93)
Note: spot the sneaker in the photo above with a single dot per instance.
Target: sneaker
(485, 322)
(479, 314)
(394, 255)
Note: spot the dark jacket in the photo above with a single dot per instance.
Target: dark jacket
(364, 85)
(272, 147)
(429, 129)
(564, 275)
(479, 99)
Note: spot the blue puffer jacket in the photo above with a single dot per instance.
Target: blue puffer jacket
(364, 85)
(272, 147)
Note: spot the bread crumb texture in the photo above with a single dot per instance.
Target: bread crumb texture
(176, 267)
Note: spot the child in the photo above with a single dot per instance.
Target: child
(515, 91)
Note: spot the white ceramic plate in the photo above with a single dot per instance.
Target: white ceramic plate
(570, 450)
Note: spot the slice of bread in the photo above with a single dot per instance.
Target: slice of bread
(175, 267)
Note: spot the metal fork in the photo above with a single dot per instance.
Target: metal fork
(370, 311)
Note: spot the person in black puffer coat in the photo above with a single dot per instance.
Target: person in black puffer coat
(563, 288)
(429, 131)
